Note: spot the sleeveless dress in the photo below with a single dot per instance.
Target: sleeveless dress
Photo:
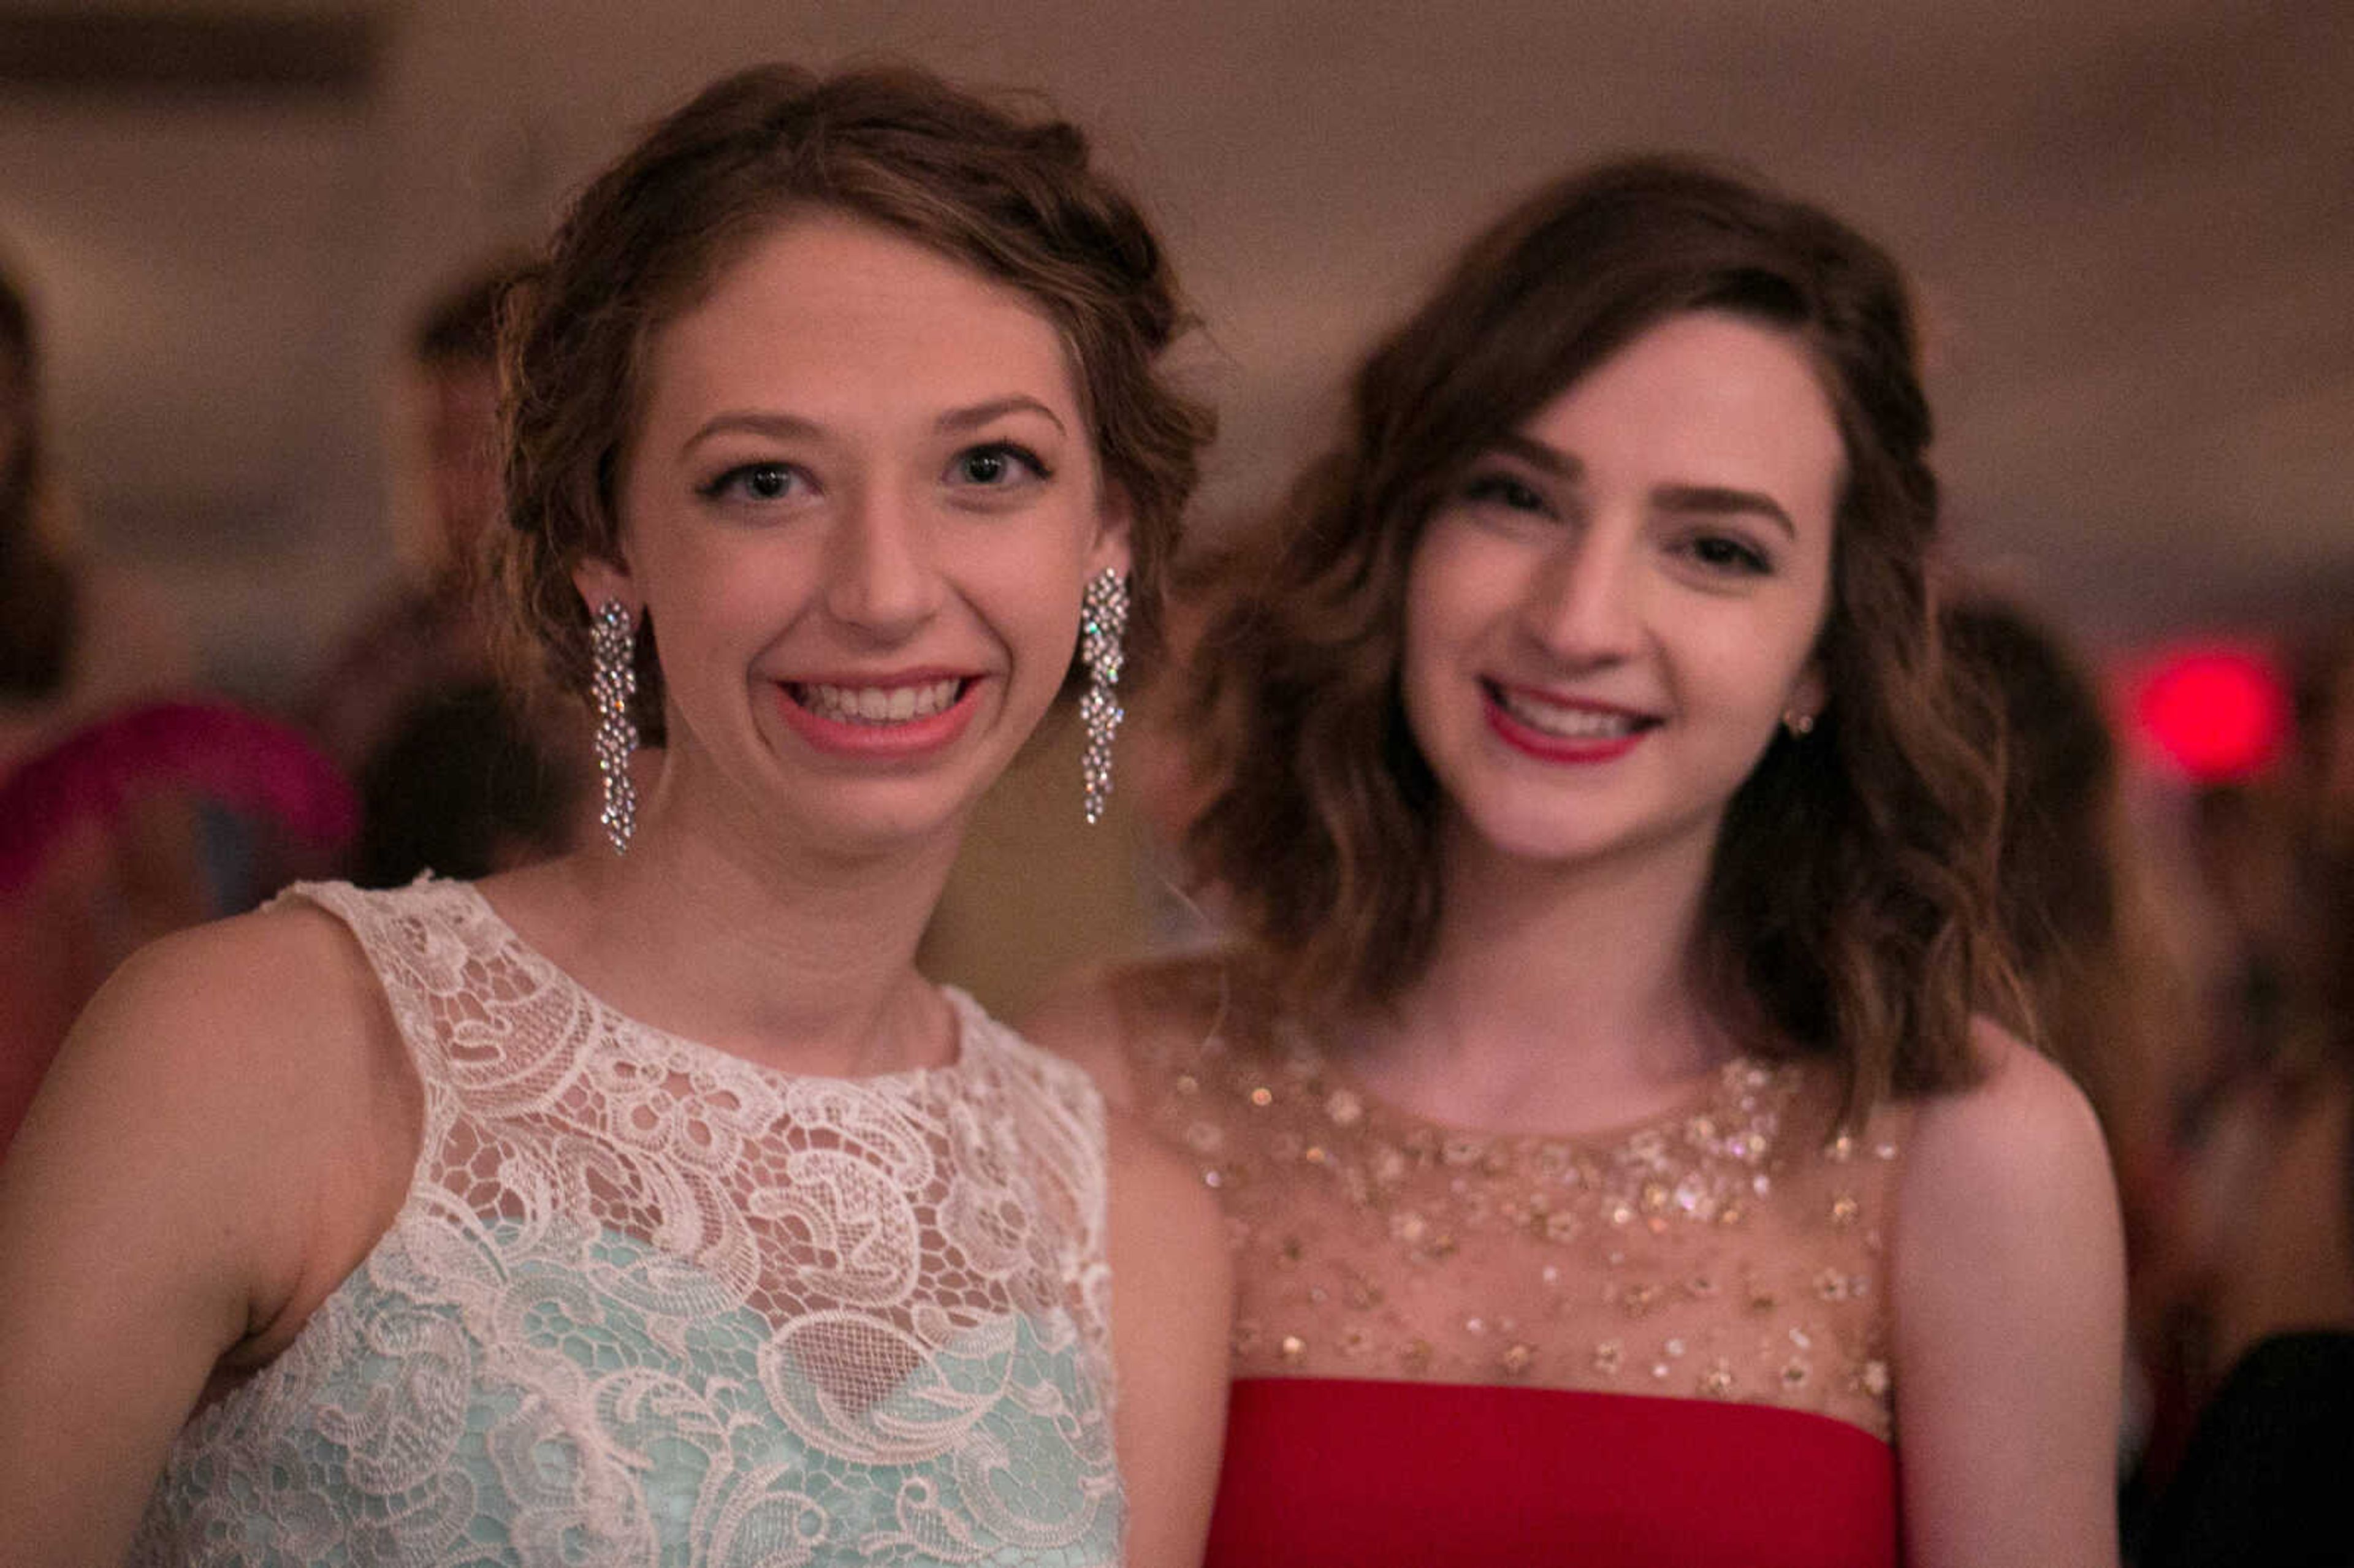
(648, 1302)
(1656, 1346)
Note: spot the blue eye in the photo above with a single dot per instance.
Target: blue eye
(753, 482)
(996, 465)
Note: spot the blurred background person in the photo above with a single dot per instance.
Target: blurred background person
(427, 631)
(79, 634)
(457, 774)
(2265, 1212)
(122, 794)
(2102, 992)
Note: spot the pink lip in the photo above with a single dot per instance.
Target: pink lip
(913, 738)
(1536, 743)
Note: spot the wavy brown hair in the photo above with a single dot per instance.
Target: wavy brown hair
(1847, 908)
(1013, 197)
(2080, 924)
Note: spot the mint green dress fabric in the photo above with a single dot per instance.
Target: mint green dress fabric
(650, 1303)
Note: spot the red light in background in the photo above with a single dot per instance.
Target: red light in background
(2220, 714)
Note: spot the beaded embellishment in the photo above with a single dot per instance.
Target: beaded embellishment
(1730, 1250)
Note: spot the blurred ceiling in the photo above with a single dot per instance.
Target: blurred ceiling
(2131, 223)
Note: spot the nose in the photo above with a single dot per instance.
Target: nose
(1583, 607)
(880, 578)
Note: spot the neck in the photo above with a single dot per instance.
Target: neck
(792, 957)
(1558, 999)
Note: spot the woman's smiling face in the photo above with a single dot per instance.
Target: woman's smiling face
(860, 507)
(1617, 604)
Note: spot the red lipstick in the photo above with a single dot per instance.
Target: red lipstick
(1530, 741)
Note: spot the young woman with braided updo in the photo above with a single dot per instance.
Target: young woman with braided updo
(645, 1206)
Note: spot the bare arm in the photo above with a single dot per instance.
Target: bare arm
(1172, 1295)
(2009, 1275)
(213, 1137)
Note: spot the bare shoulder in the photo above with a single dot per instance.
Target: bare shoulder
(1171, 1278)
(2007, 1148)
(2007, 1282)
(249, 1066)
(250, 995)
(1157, 1192)
(1118, 1022)
(1080, 1019)
(218, 1141)
(1173, 1298)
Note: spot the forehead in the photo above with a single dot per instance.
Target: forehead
(827, 311)
(1706, 384)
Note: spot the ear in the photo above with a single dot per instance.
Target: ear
(1110, 548)
(1807, 695)
(600, 580)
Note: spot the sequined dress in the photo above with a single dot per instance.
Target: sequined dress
(649, 1303)
(1660, 1345)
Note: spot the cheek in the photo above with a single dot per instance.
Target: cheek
(1443, 607)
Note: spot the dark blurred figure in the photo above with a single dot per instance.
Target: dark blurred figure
(38, 603)
(453, 778)
(77, 637)
(108, 793)
(2261, 1477)
(426, 632)
(461, 787)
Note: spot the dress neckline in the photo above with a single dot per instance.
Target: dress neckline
(972, 1023)
(1348, 1099)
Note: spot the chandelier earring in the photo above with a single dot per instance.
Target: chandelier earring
(1103, 624)
(612, 688)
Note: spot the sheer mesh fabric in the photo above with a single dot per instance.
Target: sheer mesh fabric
(1729, 1250)
(648, 1302)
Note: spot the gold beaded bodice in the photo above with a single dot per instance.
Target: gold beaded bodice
(1732, 1249)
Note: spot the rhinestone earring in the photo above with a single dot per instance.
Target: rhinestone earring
(1103, 623)
(612, 685)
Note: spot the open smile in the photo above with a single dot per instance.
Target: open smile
(1554, 729)
(887, 719)
(876, 704)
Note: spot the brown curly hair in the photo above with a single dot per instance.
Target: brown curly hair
(1847, 906)
(1015, 198)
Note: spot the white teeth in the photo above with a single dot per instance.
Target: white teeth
(877, 705)
(1568, 723)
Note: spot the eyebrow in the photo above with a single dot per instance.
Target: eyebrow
(793, 427)
(1702, 500)
(1723, 501)
(1537, 455)
(960, 420)
(790, 427)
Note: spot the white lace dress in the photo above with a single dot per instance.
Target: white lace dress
(647, 1302)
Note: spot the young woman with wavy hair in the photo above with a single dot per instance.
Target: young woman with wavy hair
(645, 1206)
(1619, 1165)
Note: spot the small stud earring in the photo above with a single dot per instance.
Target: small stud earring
(612, 686)
(1798, 723)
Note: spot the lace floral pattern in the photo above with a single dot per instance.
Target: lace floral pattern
(650, 1303)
